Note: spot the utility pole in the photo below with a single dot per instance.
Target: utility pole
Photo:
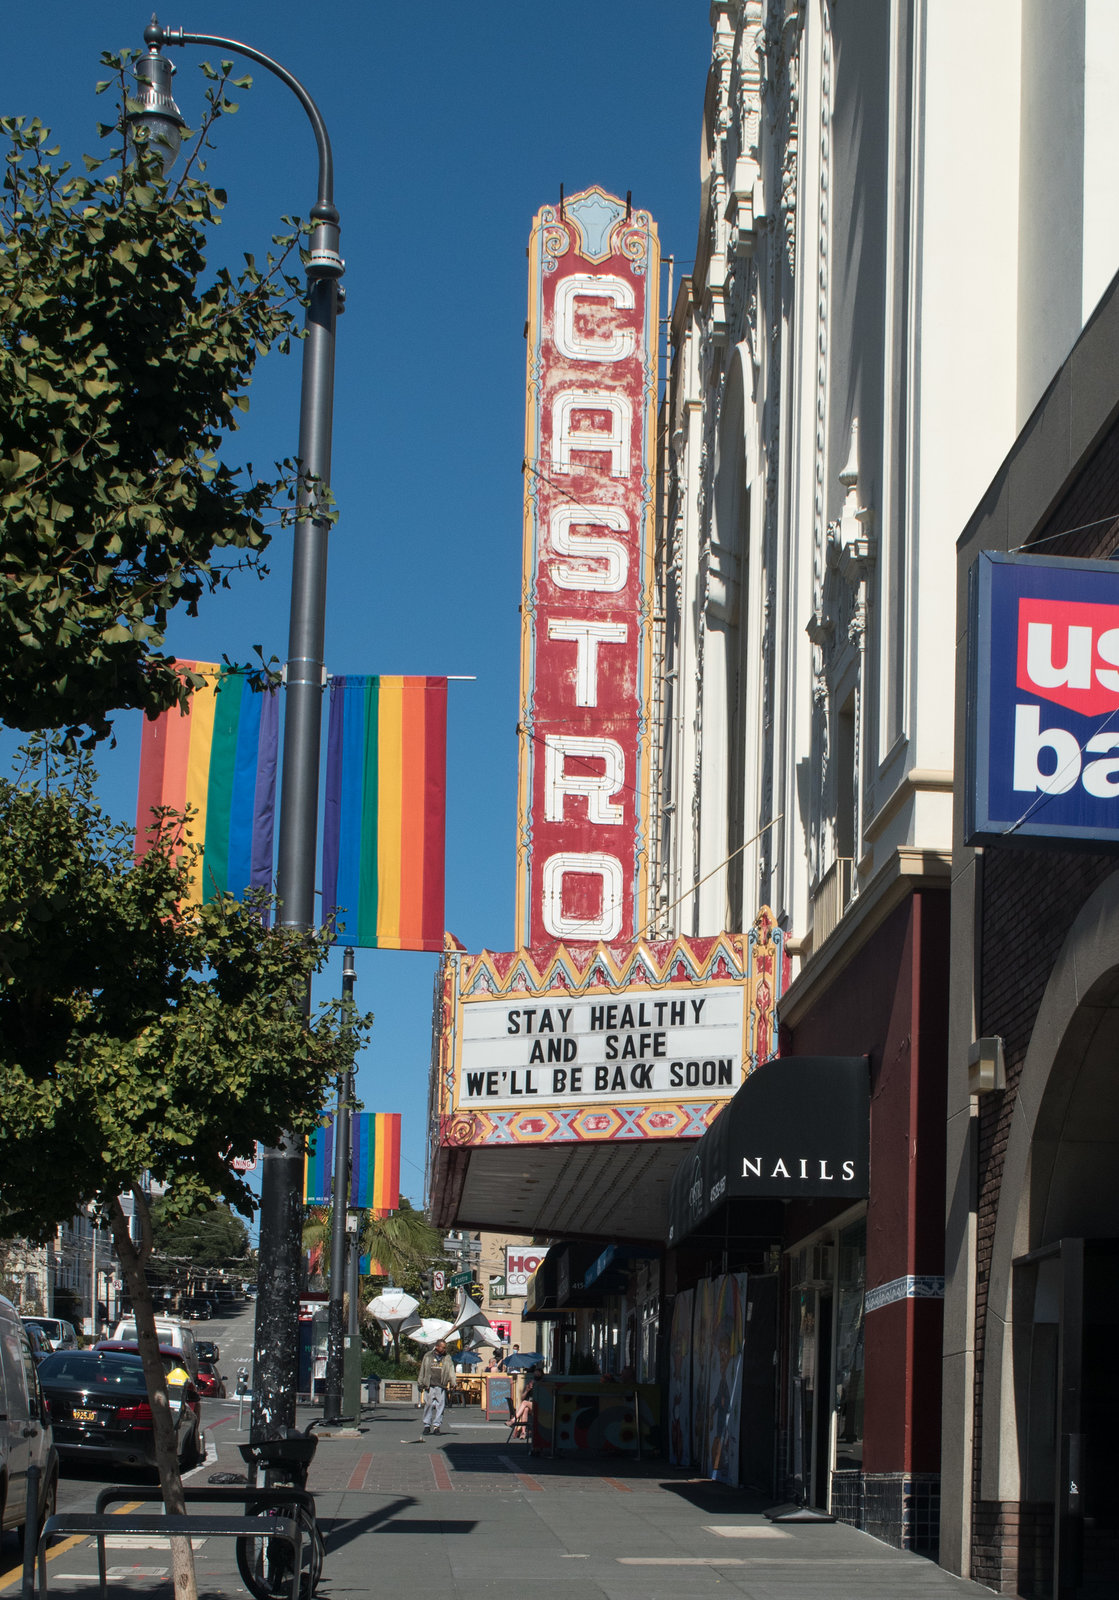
(275, 1360)
(332, 1399)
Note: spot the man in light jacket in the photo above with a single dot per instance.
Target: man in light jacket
(437, 1375)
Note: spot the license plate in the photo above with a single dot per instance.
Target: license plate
(84, 1416)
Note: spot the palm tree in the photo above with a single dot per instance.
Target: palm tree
(402, 1242)
(316, 1243)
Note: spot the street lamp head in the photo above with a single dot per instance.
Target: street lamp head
(155, 108)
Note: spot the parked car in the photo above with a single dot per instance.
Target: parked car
(25, 1430)
(172, 1335)
(100, 1412)
(40, 1344)
(62, 1334)
(210, 1380)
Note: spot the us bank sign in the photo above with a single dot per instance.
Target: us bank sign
(1043, 701)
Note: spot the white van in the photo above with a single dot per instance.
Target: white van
(172, 1335)
(25, 1433)
(61, 1334)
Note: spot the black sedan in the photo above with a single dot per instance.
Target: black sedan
(99, 1409)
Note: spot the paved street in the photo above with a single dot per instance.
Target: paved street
(470, 1516)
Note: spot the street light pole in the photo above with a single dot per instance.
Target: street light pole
(275, 1356)
(333, 1388)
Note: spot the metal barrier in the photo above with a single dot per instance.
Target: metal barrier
(213, 1494)
(96, 1525)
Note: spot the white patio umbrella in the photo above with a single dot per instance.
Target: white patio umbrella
(484, 1338)
(395, 1310)
(470, 1315)
(429, 1329)
(393, 1307)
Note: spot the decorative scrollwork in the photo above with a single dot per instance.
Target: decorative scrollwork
(461, 1129)
(633, 240)
(555, 241)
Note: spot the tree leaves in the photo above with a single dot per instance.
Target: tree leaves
(122, 370)
(133, 1036)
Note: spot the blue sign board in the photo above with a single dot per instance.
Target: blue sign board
(1043, 701)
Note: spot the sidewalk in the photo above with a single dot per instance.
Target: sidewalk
(464, 1516)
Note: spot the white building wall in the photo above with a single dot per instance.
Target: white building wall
(906, 215)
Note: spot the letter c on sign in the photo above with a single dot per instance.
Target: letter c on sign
(620, 343)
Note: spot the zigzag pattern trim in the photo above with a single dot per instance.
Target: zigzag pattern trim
(586, 968)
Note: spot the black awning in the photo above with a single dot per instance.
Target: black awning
(540, 1300)
(798, 1128)
(610, 1266)
(559, 1285)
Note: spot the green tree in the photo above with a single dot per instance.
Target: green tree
(404, 1242)
(208, 1238)
(121, 369)
(138, 1034)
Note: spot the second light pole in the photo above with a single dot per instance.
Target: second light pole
(332, 1397)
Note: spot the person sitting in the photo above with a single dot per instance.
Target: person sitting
(522, 1417)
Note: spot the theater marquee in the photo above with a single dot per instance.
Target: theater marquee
(629, 1045)
(645, 1040)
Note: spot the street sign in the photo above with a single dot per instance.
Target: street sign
(459, 1280)
(438, 1281)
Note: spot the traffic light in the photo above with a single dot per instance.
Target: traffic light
(428, 1280)
(474, 1290)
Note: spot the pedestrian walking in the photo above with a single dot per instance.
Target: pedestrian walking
(437, 1376)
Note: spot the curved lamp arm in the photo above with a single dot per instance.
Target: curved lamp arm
(324, 209)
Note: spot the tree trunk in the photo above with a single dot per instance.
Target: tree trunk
(132, 1258)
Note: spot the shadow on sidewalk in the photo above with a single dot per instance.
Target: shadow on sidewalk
(340, 1531)
(708, 1496)
(431, 1525)
(497, 1456)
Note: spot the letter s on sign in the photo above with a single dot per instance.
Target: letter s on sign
(610, 557)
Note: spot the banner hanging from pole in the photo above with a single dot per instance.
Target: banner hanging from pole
(219, 759)
(385, 812)
(374, 1163)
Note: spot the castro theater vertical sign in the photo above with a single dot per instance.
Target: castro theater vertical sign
(1043, 701)
(585, 649)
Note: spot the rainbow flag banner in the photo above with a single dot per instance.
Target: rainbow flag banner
(374, 1163)
(219, 758)
(385, 815)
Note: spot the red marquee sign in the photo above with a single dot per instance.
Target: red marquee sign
(583, 804)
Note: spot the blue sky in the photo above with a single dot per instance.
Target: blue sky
(451, 126)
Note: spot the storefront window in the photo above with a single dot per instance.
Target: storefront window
(802, 1394)
(850, 1363)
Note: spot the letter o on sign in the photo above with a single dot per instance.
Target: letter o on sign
(608, 869)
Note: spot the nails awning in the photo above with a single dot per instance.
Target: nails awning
(798, 1128)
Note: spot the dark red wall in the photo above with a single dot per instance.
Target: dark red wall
(891, 1003)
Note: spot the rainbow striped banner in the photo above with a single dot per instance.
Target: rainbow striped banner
(374, 1163)
(385, 816)
(219, 759)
